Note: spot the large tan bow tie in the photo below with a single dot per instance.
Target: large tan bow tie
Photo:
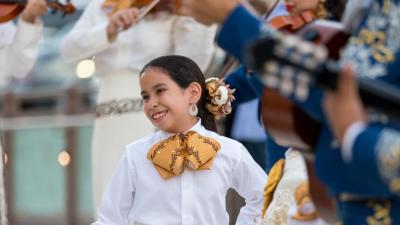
(189, 150)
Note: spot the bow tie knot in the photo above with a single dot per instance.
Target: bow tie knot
(190, 150)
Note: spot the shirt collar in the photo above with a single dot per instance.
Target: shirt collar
(196, 127)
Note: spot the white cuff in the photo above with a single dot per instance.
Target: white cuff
(28, 33)
(352, 132)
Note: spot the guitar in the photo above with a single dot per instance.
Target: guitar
(292, 66)
(9, 9)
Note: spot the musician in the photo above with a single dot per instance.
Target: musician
(373, 51)
(369, 147)
(18, 44)
(18, 49)
(247, 88)
(120, 45)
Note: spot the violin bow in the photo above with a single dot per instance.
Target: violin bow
(147, 9)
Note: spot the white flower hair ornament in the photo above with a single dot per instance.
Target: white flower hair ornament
(220, 97)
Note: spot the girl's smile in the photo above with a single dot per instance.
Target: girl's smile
(158, 117)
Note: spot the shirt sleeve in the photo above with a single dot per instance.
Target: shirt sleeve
(194, 40)
(18, 57)
(89, 35)
(245, 88)
(249, 181)
(350, 136)
(376, 152)
(238, 30)
(118, 197)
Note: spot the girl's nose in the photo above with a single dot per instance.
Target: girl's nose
(154, 104)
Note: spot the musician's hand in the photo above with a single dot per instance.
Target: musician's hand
(208, 11)
(33, 10)
(121, 20)
(343, 107)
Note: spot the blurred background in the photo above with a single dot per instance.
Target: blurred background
(46, 127)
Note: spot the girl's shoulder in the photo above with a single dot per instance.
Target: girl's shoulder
(142, 145)
(228, 145)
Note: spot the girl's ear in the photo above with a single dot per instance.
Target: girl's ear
(194, 91)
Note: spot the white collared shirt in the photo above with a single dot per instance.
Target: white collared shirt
(18, 48)
(137, 193)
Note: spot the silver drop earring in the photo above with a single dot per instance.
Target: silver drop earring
(193, 110)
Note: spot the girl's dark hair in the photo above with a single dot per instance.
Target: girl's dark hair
(185, 71)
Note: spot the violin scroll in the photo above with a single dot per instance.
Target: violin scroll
(65, 9)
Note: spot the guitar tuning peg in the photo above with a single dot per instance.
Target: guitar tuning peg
(306, 47)
(302, 87)
(310, 63)
(270, 80)
(287, 84)
(296, 57)
(287, 72)
(270, 67)
(290, 41)
(320, 53)
(269, 77)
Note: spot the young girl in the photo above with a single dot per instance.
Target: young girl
(180, 174)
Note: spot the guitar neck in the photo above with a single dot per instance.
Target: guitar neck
(376, 94)
(270, 55)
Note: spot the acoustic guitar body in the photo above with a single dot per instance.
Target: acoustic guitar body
(287, 123)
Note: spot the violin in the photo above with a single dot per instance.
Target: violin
(292, 23)
(9, 9)
(146, 6)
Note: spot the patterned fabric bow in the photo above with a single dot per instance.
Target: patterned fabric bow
(189, 150)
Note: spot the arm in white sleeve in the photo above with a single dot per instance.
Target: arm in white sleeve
(118, 197)
(194, 40)
(89, 35)
(249, 181)
(18, 57)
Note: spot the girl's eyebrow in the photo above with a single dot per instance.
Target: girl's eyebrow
(154, 87)
(159, 85)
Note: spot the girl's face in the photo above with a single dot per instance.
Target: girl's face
(165, 103)
(295, 7)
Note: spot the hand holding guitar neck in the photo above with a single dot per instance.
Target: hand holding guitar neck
(343, 107)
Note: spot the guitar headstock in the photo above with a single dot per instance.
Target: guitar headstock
(56, 6)
(289, 64)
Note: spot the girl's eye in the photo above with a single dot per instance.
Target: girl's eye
(159, 91)
(145, 97)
